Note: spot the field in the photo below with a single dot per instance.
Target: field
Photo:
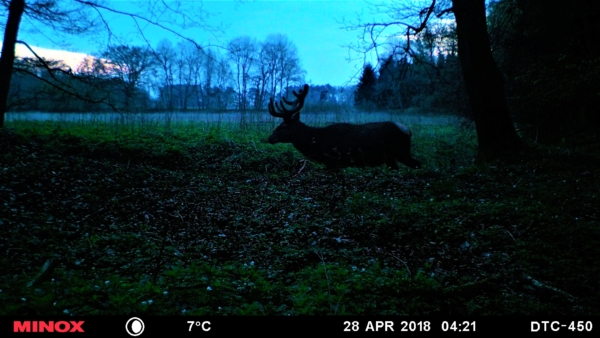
(204, 218)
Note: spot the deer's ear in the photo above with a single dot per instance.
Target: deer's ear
(295, 117)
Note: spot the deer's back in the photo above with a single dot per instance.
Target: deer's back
(373, 133)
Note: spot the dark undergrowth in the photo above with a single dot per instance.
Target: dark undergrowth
(94, 221)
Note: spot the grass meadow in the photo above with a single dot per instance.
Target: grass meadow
(206, 218)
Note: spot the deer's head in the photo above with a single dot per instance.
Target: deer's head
(291, 127)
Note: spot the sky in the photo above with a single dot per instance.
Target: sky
(315, 27)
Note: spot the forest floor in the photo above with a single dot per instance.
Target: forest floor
(200, 220)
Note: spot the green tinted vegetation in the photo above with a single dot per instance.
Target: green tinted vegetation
(202, 220)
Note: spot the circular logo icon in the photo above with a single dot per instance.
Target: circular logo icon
(134, 326)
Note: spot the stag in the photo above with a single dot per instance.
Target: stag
(342, 145)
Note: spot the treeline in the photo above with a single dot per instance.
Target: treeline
(170, 77)
(423, 74)
(547, 51)
(551, 72)
(424, 81)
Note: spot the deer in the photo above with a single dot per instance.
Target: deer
(342, 145)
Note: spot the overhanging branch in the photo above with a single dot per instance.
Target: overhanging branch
(139, 17)
(61, 85)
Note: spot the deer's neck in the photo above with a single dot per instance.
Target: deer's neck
(308, 140)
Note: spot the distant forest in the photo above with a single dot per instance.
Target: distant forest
(170, 77)
(546, 67)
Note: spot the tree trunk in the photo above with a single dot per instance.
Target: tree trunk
(15, 11)
(496, 133)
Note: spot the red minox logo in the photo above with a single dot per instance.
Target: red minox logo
(47, 326)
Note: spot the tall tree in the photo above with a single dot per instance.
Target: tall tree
(242, 52)
(223, 78)
(129, 64)
(281, 62)
(15, 11)
(209, 64)
(165, 56)
(365, 90)
(188, 65)
(261, 76)
(496, 133)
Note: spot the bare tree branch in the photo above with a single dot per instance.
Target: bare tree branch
(402, 15)
(74, 94)
(62, 86)
(150, 21)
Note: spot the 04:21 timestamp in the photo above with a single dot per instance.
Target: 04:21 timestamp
(455, 326)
